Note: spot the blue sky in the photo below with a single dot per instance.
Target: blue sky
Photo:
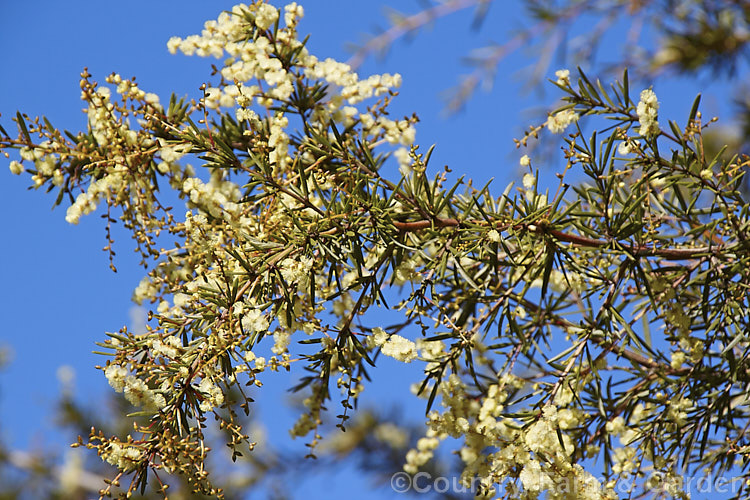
(58, 295)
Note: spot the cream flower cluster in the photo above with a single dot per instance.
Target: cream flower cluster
(396, 132)
(353, 89)
(212, 395)
(255, 60)
(145, 291)
(107, 126)
(123, 456)
(533, 453)
(279, 141)
(558, 122)
(265, 16)
(44, 161)
(129, 89)
(104, 129)
(534, 479)
(559, 281)
(648, 110)
(431, 351)
(172, 153)
(215, 36)
(297, 271)
(529, 184)
(16, 167)
(217, 197)
(529, 181)
(407, 271)
(625, 461)
(254, 320)
(139, 394)
(248, 58)
(108, 129)
(136, 391)
(86, 202)
(628, 146)
(292, 14)
(377, 339)
(395, 346)
(541, 436)
(169, 348)
(563, 76)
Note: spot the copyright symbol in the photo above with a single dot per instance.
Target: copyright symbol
(401, 482)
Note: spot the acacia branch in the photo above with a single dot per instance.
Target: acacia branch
(577, 240)
(424, 224)
(635, 250)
